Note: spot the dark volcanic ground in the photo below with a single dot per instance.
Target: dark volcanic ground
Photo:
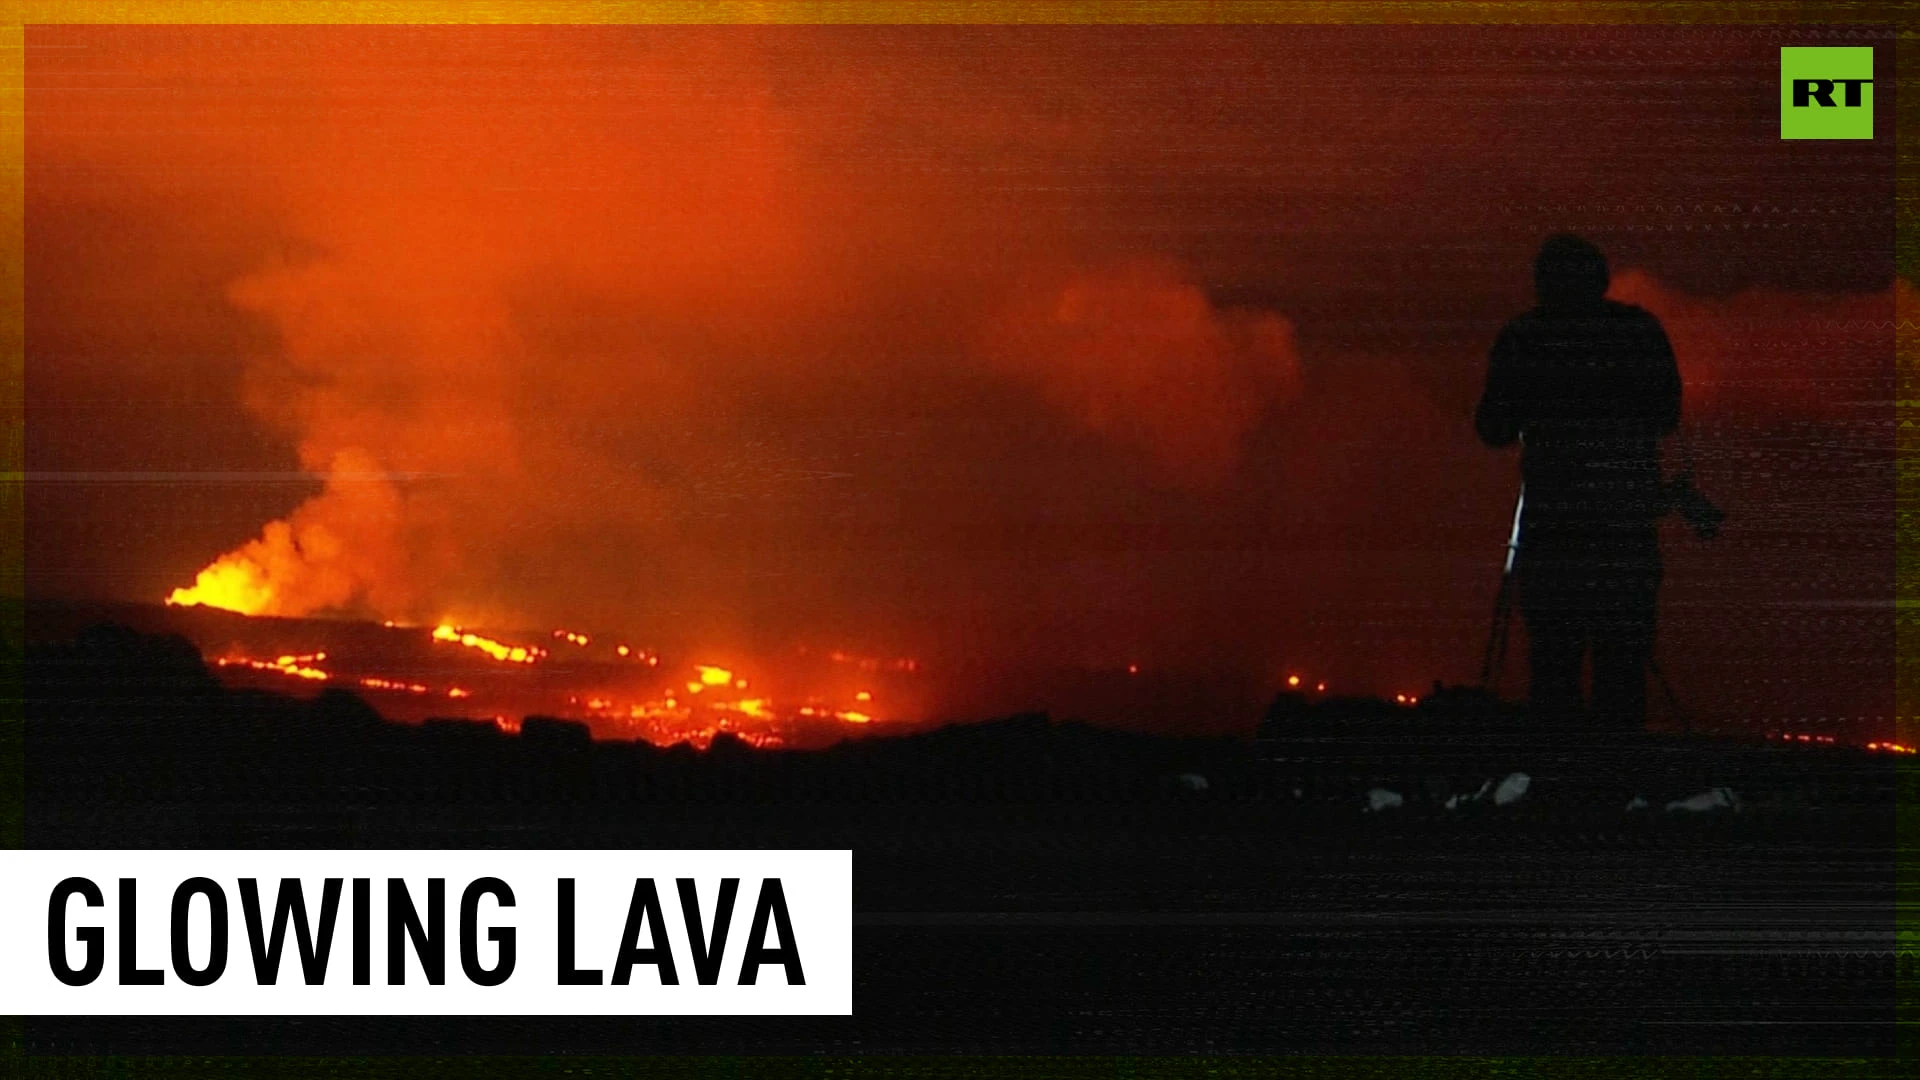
(1095, 903)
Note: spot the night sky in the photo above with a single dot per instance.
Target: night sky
(1015, 345)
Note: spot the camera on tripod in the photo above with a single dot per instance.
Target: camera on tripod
(1696, 508)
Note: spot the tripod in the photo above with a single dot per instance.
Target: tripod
(1494, 659)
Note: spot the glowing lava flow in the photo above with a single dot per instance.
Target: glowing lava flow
(699, 708)
(300, 667)
(619, 690)
(374, 682)
(513, 654)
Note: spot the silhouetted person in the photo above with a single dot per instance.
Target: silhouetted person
(1587, 386)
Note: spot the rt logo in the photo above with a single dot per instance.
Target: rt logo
(1826, 93)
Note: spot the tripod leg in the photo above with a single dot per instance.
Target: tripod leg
(1673, 700)
(1496, 651)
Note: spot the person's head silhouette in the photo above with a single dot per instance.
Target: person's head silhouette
(1569, 272)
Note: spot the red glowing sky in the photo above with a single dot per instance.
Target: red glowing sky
(1082, 344)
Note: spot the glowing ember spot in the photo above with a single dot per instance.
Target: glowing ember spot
(509, 725)
(694, 687)
(1293, 680)
(863, 695)
(713, 676)
(622, 650)
(573, 638)
(234, 583)
(1133, 669)
(1320, 688)
(852, 717)
(873, 663)
(457, 692)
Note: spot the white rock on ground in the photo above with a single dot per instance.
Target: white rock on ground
(1510, 789)
(1720, 798)
(1381, 799)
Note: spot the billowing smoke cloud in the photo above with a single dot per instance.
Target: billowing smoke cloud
(570, 356)
(337, 549)
(1769, 353)
(1135, 352)
(512, 444)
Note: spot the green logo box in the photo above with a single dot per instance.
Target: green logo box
(1826, 93)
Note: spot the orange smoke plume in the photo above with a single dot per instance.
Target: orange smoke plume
(1136, 352)
(327, 554)
(1773, 353)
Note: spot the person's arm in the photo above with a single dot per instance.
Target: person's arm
(1498, 418)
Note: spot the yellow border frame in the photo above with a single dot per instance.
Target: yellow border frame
(1469, 12)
